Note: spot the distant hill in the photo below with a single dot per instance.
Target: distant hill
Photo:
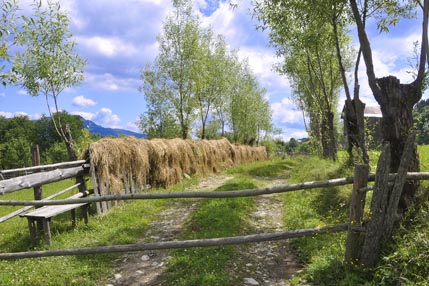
(103, 131)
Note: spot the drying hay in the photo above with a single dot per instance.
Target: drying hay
(129, 164)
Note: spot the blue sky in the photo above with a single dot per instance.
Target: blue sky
(119, 37)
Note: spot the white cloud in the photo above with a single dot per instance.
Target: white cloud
(108, 46)
(2, 94)
(109, 82)
(288, 133)
(7, 114)
(12, 114)
(104, 117)
(132, 126)
(286, 112)
(85, 115)
(81, 101)
(22, 92)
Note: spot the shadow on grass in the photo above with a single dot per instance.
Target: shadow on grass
(331, 204)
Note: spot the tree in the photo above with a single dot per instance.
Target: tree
(159, 120)
(178, 47)
(16, 137)
(49, 63)
(395, 99)
(249, 112)
(210, 76)
(304, 39)
(8, 9)
(421, 121)
(196, 76)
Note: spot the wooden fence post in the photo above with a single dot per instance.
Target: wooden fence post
(38, 194)
(35, 157)
(357, 205)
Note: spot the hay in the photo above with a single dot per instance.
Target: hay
(125, 164)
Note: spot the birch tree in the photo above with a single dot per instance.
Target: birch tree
(48, 63)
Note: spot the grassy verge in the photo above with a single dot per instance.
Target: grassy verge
(220, 218)
(214, 218)
(323, 254)
(406, 258)
(124, 224)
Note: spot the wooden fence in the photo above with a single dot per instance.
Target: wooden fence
(354, 225)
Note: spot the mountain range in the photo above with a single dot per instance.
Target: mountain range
(94, 128)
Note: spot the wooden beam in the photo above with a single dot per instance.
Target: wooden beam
(29, 181)
(179, 244)
(215, 194)
(24, 209)
(45, 167)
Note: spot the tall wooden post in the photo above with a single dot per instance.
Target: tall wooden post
(35, 157)
(357, 205)
(38, 194)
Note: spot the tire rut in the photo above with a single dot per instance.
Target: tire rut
(266, 263)
(147, 267)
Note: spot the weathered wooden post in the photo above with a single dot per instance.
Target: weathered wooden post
(38, 193)
(357, 205)
(35, 157)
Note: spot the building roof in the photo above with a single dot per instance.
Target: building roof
(372, 111)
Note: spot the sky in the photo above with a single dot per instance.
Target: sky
(117, 38)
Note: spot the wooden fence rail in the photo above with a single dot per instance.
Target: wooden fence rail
(179, 244)
(33, 180)
(215, 194)
(79, 169)
(44, 167)
(24, 209)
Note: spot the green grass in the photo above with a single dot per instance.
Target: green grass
(405, 261)
(323, 254)
(214, 218)
(123, 224)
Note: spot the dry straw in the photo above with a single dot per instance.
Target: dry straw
(129, 164)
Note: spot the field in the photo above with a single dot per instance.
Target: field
(405, 259)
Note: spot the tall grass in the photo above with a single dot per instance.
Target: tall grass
(123, 224)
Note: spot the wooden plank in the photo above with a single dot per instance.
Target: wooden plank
(50, 211)
(215, 194)
(29, 181)
(24, 209)
(45, 167)
(180, 244)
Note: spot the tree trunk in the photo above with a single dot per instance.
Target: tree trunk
(396, 101)
(329, 146)
(385, 211)
(71, 150)
(203, 131)
(354, 127)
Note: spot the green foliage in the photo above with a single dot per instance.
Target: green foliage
(8, 9)
(421, 121)
(407, 262)
(308, 49)
(18, 134)
(196, 76)
(48, 63)
(323, 254)
(214, 218)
